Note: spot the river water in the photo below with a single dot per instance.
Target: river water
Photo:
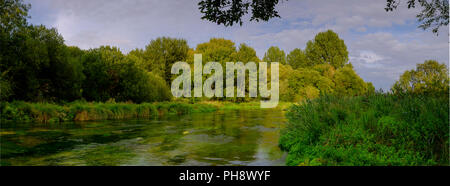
(236, 137)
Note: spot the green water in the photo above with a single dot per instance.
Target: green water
(239, 137)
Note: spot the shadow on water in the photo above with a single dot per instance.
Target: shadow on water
(239, 137)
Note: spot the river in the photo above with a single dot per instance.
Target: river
(234, 137)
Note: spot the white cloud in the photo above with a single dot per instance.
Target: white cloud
(367, 57)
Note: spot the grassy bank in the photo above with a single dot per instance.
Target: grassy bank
(368, 130)
(83, 111)
(20, 111)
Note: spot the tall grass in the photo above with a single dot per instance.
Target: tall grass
(83, 111)
(379, 129)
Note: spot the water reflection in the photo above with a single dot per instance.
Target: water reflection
(246, 137)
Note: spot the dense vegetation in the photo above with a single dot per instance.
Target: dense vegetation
(20, 111)
(407, 127)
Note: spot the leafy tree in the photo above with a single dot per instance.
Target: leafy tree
(101, 76)
(39, 68)
(433, 14)
(429, 78)
(307, 84)
(245, 54)
(137, 85)
(35, 62)
(5, 88)
(229, 12)
(13, 18)
(217, 50)
(13, 15)
(348, 83)
(297, 59)
(275, 54)
(327, 47)
(162, 53)
(112, 75)
(285, 71)
(138, 57)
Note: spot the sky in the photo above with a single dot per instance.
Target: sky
(381, 45)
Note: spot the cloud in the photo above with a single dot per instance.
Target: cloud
(367, 57)
(399, 53)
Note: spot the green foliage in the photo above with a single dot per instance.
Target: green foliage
(39, 67)
(217, 50)
(162, 53)
(428, 78)
(297, 59)
(101, 75)
(245, 54)
(111, 75)
(138, 85)
(5, 89)
(376, 129)
(308, 84)
(348, 83)
(275, 54)
(327, 48)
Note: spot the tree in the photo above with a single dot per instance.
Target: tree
(217, 50)
(112, 75)
(297, 59)
(137, 85)
(38, 66)
(162, 53)
(13, 19)
(275, 54)
(229, 12)
(348, 83)
(433, 14)
(428, 78)
(308, 84)
(101, 76)
(285, 71)
(5, 88)
(35, 62)
(245, 54)
(327, 47)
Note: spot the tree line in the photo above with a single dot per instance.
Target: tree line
(36, 65)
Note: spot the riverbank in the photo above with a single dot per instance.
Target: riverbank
(374, 130)
(20, 111)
